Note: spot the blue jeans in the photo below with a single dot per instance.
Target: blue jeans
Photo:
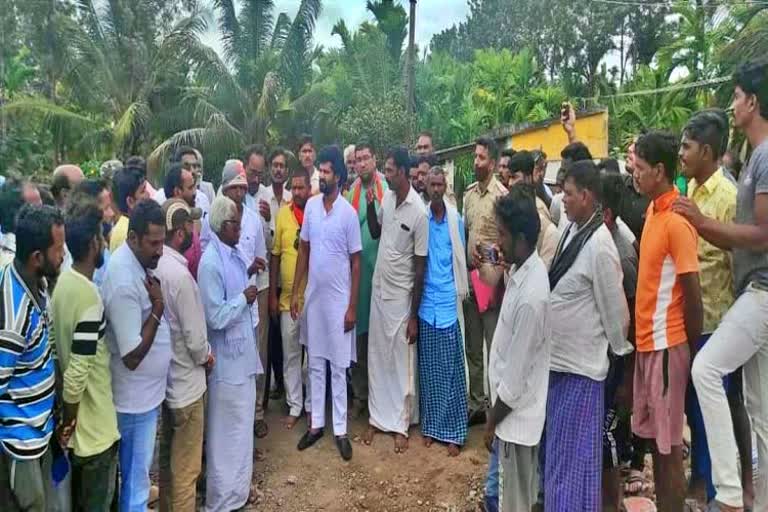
(492, 480)
(137, 447)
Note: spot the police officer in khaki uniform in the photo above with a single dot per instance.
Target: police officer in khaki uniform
(480, 221)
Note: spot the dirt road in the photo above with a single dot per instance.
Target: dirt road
(376, 479)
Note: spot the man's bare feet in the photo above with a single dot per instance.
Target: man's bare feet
(368, 436)
(401, 443)
(453, 450)
(428, 441)
(290, 421)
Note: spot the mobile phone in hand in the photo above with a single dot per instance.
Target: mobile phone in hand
(492, 254)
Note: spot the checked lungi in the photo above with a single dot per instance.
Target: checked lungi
(443, 389)
(574, 454)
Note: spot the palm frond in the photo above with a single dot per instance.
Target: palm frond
(340, 29)
(229, 27)
(256, 22)
(280, 32)
(38, 106)
(131, 122)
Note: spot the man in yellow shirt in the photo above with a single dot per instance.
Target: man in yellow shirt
(130, 187)
(285, 252)
(704, 140)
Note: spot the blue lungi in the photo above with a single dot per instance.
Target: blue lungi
(442, 382)
(574, 449)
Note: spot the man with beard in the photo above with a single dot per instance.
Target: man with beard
(369, 179)
(403, 227)
(253, 248)
(89, 425)
(140, 343)
(419, 169)
(329, 253)
(285, 252)
(480, 221)
(181, 440)
(180, 184)
(27, 373)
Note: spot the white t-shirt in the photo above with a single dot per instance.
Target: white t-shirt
(127, 307)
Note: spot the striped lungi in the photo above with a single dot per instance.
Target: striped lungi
(443, 389)
(574, 455)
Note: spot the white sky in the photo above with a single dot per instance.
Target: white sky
(432, 16)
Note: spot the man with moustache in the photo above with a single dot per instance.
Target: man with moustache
(329, 254)
(181, 440)
(140, 342)
(403, 227)
(285, 253)
(307, 155)
(369, 179)
(27, 364)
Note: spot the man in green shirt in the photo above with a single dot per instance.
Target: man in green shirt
(89, 427)
(369, 179)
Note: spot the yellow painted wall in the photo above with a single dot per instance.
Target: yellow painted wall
(591, 130)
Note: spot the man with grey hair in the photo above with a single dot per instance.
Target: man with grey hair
(227, 298)
(253, 248)
(351, 163)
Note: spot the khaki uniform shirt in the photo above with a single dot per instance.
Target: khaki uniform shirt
(480, 220)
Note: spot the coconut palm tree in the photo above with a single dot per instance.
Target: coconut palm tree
(122, 71)
(267, 66)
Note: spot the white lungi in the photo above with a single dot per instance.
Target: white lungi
(392, 399)
(229, 444)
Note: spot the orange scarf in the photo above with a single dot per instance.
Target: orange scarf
(357, 187)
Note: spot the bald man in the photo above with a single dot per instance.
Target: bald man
(65, 178)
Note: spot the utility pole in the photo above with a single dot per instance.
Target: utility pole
(411, 80)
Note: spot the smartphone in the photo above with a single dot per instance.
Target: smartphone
(492, 254)
(565, 110)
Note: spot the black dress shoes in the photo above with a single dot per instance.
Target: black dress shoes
(344, 446)
(308, 439)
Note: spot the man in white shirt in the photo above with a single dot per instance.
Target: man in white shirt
(398, 279)
(329, 253)
(518, 365)
(589, 315)
(140, 342)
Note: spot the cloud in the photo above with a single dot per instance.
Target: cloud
(432, 16)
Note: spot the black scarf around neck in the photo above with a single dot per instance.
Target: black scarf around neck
(564, 258)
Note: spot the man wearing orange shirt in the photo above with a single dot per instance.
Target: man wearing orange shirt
(668, 315)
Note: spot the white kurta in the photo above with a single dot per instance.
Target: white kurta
(392, 395)
(333, 237)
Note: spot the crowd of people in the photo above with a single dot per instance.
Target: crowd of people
(613, 308)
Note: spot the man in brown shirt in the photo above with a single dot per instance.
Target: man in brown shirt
(479, 219)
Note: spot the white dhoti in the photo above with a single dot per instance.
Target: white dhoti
(229, 444)
(392, 400)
